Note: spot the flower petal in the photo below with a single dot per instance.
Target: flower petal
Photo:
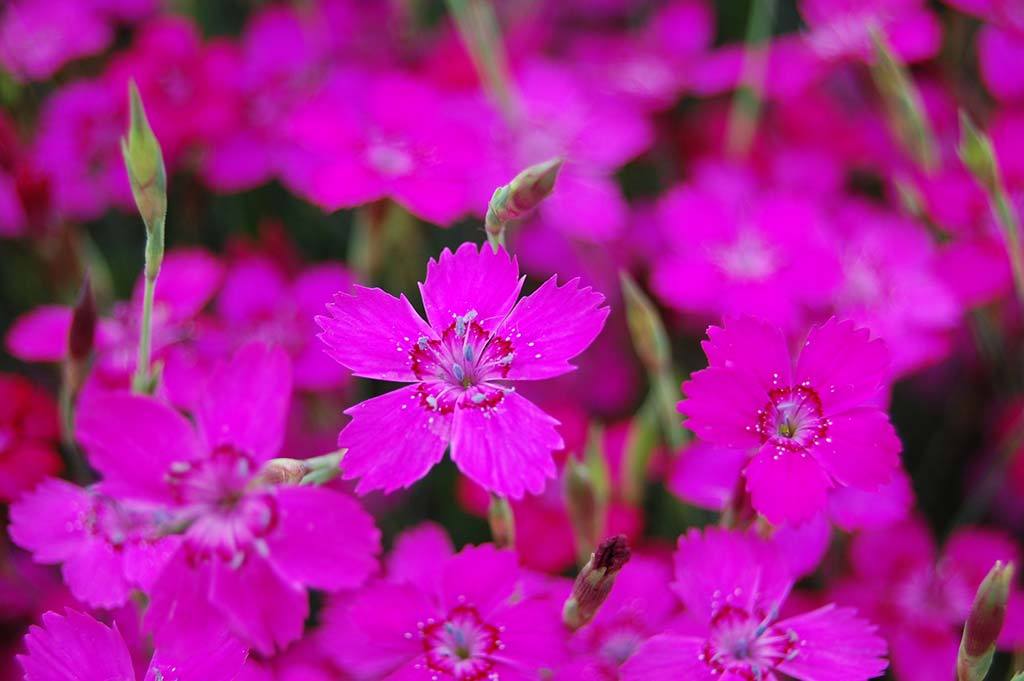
(323, 538)
(843, 364)
(418, 553)
(861, 449)
(786, 486)
(41, 335)
(192, 658)
(132, 441)
(246, 401)
(835, 644)
(372, 333)
(551, 326)
(506, 448)
(75, 647)
(393, 440)
(470, 279)
(665, 657)
(263, 609)
(722, 407)
(751, 347)
(481, 576)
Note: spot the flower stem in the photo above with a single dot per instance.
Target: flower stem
(142, 381)
(746, 103)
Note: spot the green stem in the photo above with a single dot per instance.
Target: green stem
(142, 382)
(747, 102)
(1010, 223)
(478, 27)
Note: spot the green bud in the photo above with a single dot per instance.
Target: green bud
(519, 197)
(645, 326)
(586, 493)
(984, 623)
(502, 522)
(976, 152)
(145, 164)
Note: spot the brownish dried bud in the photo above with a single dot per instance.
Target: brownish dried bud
(595, 582)
(83, 324)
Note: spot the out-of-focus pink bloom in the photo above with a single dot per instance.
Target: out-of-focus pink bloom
(891, 286)
(29, 433)
(302, 661)
(400, 139)
(733, 587)
(188, 279)
(479, 339)
(812, 426)
(37, 37)
(76, 646)
(257, 301)
(999, 50)
(106, 547)
(640, 605)
(460, 616)
(248, 550)
(734, 251)
(840, 29)
(274, 71)
(921, 599)
(791, 67)
(76, 145)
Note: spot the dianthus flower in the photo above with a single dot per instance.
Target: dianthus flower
(733, 586)
(76, 646)
(248, 549)
(811, 427)
(460, 366)
(461, 617)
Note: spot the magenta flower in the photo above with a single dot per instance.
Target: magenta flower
(29, 433)
(248, 550)
(460, 366)
(811, 427)
(37, 37)
(443, 616)
(840, 29)
(106, 547)
(733, 586)
(921, 599)
(76, 647)
(735, 250)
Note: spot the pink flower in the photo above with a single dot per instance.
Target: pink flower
(460, 364)
(106, 547)
(29, 433)
(76, 647)
(400, 139)
(443, 616)
(733, 586)
(248, 550)
(812, 426)
(37, 37)
(734, 250)
(998, 50)
(921, 599)
(839, 29)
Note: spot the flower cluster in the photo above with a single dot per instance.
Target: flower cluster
(717, 317)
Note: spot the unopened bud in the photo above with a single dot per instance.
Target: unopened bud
(502, 522)
(83, 324)
(520, 196)
(586, 493)
(645, 326)
(145, 164)
(984, 623)
(280, 472)
(976, 152)
(595, 582)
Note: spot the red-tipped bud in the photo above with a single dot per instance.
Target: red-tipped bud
(984, 623)
(83, 324)
(595, 582)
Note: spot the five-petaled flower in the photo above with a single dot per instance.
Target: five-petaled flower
(460, 363)
(812, 426)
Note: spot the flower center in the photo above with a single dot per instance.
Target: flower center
(389, 159)
(464, 368)
(748, 258)
(462, 646)
(225, 518)
(792, 420)
(747, 646)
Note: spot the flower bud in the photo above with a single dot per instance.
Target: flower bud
(520, 196)
(976, 152)
(645, 326)
(502, 522)
(586, 494)
(595, 582)
(984, 623)
(83, 324)
(280, 472)
(145, 164)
